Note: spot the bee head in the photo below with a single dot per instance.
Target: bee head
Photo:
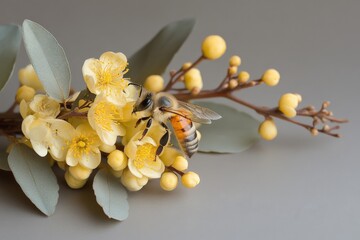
(145, 100)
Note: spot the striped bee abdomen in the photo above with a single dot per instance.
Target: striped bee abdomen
(185, 133)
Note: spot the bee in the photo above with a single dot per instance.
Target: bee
(162, 107)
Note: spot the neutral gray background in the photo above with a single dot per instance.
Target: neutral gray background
(296, 187)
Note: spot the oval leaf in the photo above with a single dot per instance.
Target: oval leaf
(35, 177)
(3, 161)
(48, 59)
(111, 195)
(235, 132)
(155, 56)
(10, 39)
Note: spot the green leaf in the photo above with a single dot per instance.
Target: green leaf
(4, 161)
(35, 177)
(111, 195)
(48, 59)
(155, 56)
(10, 39)
(235, 132)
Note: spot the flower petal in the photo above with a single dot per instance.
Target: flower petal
(91, 160)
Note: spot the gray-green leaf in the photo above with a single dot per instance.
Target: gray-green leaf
(10, 39)
(235, 132)
(155, 56)
(48, 59)
(35, 177)
(4, 161)
(111, 195)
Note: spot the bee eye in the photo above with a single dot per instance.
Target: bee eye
(145, 103)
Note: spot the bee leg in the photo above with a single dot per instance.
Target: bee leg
(164, 140)
(140, 120)
(148, 125)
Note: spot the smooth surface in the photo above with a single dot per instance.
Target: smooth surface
(296, 187)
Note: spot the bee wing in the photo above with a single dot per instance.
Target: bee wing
(199, 114)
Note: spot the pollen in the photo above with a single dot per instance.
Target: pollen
(81, 145)
(110, 79)
(144, 154)
(106, 114)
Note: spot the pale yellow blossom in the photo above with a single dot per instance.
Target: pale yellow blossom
(106, 118)
(105, 75)
(83, 147)
(143, 160)
(44, 106)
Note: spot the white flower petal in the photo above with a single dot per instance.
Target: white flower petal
(133, 169)
(71, 160)
(91, 160)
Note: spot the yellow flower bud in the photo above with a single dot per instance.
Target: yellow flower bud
(235, 61)
(271, 77)
(190, 179)
(117, 160)
(288, 103)
(107, 148)
(288, 111)
(233, 84)
(180, 163)
(25, 93)
(168, 181)
(79, 172)
(213, 47)
(73, 182)
(186, 65)
(154, 83)
(169, 155)
(28, 77)
(233, 70)
(243, 77)
(314, 132)
(193, 79)
(267, 130)
(131, 182)
(117, 174)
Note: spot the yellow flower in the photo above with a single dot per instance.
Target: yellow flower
(106, 118)
(25, 93)
(142, 157)
(47, 135)
(28, 77)
(105, 75)
(83, 147)
(44, 106)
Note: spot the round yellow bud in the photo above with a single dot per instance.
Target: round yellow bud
(154, 83)
(213, 47)
(28, 77)
(117, 174)
(289, 100)
(186, 65)
(117, 160)
(190, 179)
(73, 182)
(271, 77)
(131, 182)
(193, 79)
(288, 111)
(168, 181)
(243, 77)
(233, 70)
(268, 130)
(235, 61)
(107, 148)
(25, 93)
(314, 132)
(233, 84)
(169, 155)
(180, 163)
(79, 172)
